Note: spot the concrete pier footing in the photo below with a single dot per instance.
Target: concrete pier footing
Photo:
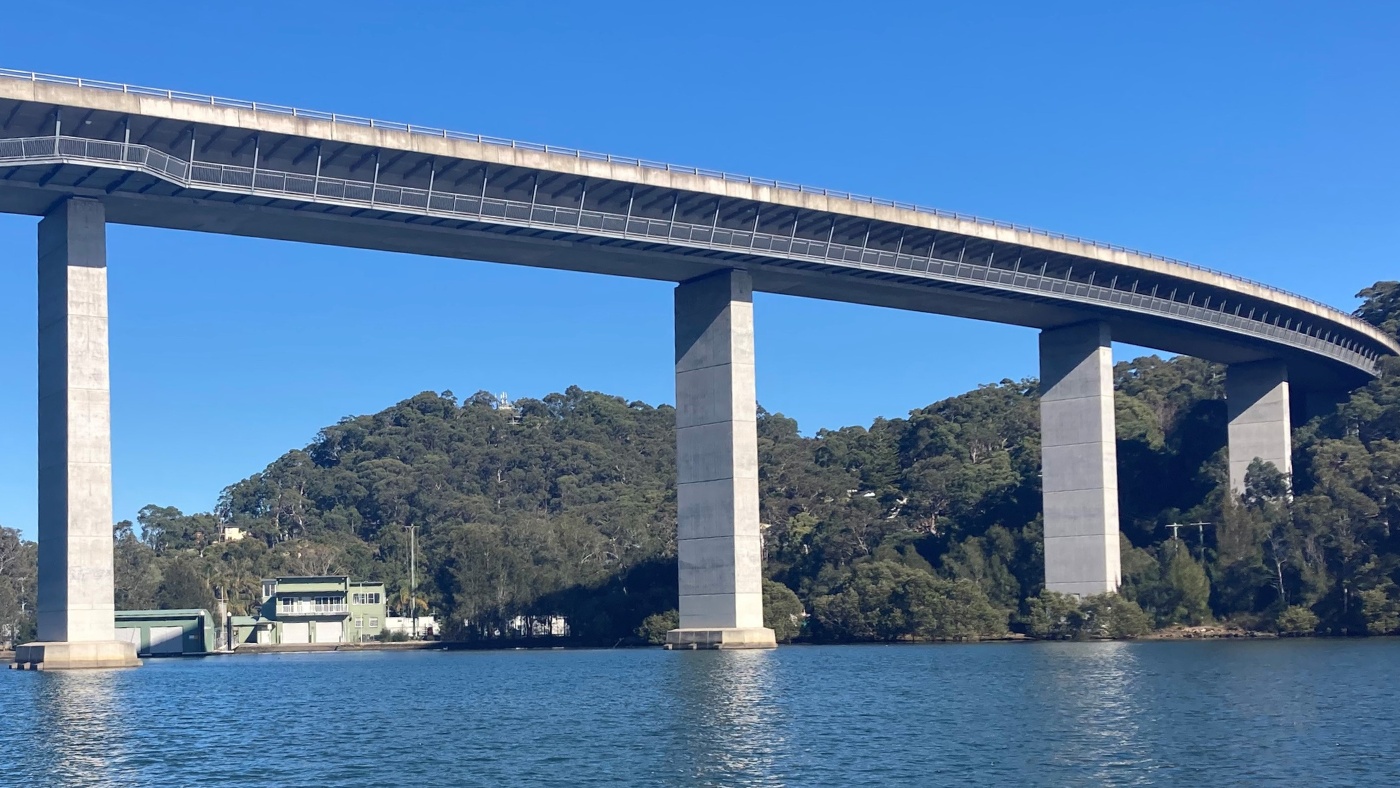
(1257, 402)
(75, 595)
(718, 548)
(1079, 461)
(74, 655)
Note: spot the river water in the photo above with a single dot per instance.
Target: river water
(1164, 713)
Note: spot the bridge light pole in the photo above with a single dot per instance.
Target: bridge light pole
(413, 576)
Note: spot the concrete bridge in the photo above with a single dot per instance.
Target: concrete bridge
(81, 153)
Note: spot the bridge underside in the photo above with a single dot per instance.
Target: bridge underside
(135, 200)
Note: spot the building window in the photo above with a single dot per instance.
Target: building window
(360, 622)
(373, 623)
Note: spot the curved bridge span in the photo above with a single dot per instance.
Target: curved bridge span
(84, 153)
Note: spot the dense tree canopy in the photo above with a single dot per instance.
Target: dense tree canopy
(919, 527)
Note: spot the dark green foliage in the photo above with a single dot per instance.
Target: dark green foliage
(1052, 616)
(782, 611)
(1381, 306)
(655, 626)
(886, 601)
(19, 571)
(1114, 616)
(1297, 620)
(182, 587)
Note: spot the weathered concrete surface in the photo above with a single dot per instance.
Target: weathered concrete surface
(718, 548)
(726, 639)
(1257, 401)
(1079, 460)
(75, 607)
(75, 655)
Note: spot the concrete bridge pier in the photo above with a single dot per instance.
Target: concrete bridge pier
(1257, 403)
(75, 448)
(717, 546)
(1079, 460)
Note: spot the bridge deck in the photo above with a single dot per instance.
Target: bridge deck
(195, 163)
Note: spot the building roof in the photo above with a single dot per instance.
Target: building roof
(250, 621)
(176, 613)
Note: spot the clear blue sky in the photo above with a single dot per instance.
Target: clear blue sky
(1258, 138)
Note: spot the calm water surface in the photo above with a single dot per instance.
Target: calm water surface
(1221, 713)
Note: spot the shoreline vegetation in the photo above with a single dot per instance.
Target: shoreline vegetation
(922, 528)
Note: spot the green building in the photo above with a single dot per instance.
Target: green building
(252, 630)
(323, 609)
(172, 633)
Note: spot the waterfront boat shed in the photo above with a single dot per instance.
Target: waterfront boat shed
(167, 633)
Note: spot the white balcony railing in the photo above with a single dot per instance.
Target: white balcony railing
(312, 609)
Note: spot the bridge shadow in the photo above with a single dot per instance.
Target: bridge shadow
(609, 613)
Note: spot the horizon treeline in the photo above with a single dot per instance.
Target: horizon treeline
(927, 526)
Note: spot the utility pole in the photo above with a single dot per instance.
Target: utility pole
(1201, 527)
(413, 576)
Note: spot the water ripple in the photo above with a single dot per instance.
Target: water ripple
(1315, 713)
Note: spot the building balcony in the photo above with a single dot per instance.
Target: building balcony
(293, 611)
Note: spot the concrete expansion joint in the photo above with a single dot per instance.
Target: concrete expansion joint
(716, 365)
(1105, 487)
(716, 479)
(1045, 446)
(719, 421)
(1077, 398)
(731, 537)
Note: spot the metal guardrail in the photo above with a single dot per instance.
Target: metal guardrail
(236, 179)
(355, 120)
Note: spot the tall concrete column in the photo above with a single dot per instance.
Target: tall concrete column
(1079, 460)
(1256, 399)
(717, 545)
(75, 448)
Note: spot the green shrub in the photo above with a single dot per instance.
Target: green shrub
(1296, 620)
(654, 627)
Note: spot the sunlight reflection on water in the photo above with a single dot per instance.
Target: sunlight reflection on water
(724, 710)
(78, 710)
(1203, 714)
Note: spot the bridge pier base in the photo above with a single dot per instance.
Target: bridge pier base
(75, 610)
(1079, 461)
(717, 545)
(1257, 402)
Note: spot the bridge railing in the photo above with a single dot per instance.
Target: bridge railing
(233, 178)
(355, 120)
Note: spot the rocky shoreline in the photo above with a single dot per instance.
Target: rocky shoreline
(1207, 633)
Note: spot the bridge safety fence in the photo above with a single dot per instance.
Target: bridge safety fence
(263, 182)
(355, 120)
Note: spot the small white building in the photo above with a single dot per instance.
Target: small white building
(403, 625)
(540, 626)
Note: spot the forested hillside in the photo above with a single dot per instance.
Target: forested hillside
(925, 526)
